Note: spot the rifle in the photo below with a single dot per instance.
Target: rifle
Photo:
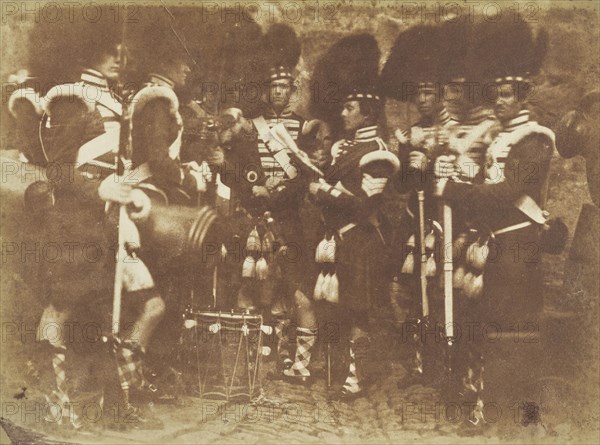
(121, 170)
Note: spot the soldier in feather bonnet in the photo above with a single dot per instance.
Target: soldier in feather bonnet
(351, 194)
(507, 210)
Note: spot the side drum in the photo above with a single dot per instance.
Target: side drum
(221, 353)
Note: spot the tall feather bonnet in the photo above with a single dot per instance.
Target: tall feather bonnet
(281, 50)
(414, 59)
(349, 70)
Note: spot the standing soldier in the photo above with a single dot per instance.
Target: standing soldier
(80, 137)
(271, 193)
(463, 59)
(156, 130)
(506, 209)
(351, 195)
(414, 72)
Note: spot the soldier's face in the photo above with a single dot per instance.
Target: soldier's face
(352, 117)
(458, 96)
(109, 64)
(427, 100)
(280, 92)
(178, 72)
(507, 103)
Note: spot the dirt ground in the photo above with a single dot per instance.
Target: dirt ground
(567, 358)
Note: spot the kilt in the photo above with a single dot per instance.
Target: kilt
(78, 254)
(512, 281)
(359, 265)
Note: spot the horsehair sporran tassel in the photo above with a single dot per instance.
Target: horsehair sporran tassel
(430, 267)
(249, 267)
(408, 267)
(327, 287)
(334, 289)
(318, 293)
(253, 243)
(262, 269)
(430, 241)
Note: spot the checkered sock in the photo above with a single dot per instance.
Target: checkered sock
(129, 365)
(59, 395)
(305, 340)
(283, 342)
(351, 385)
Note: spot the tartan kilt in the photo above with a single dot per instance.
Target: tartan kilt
(512, 282)
(360, 267)
(78, 255)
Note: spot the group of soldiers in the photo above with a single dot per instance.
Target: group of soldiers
(299, 204)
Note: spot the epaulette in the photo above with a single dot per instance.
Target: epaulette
(381, 155)
(70, 91)
(28, 94)
(152, 92)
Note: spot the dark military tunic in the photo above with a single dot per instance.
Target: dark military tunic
(80, 140)
(518, 164)
(350, 201)
(251, 162)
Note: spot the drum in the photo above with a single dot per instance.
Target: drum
(221, 353)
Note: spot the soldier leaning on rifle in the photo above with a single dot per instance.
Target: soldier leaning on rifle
(415, 72)
(350, 198)
(80, 137)
(506, 209)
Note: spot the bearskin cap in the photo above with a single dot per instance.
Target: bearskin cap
(415, 58)
(506, 49)
(349, 70)
(455, 35)
(281, 50)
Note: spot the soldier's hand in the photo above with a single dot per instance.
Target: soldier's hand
(273, 182)
(113, 189)
(314, 187)
(260, 191)
(445, 166)
(417, 160)
(140, 205)
(439, 186)
(318, 157)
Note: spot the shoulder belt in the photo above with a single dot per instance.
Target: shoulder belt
(28, 94)
(276, 143)
(474, 135)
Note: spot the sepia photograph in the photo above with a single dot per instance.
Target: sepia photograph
(300, 221)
